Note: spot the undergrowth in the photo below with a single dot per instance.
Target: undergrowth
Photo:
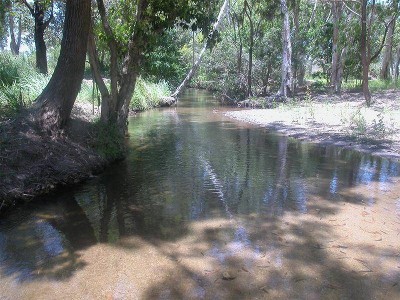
(20, 83)
(148, 95)
(375, 85)
(108, 141)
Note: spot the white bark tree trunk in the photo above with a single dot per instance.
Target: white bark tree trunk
(196, 65)
(387, 55)
(335, 68)
(287, 76)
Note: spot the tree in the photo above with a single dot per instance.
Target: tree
(15, 43)
(53, 107)
(387, 55)
(366, 56)
(115, 104)
(129, 45)
(196, 65)
(364, 53)
(4, 7)
(286, 82)
(38, 11)
(335, 68)
(249, 11)
(299, 46)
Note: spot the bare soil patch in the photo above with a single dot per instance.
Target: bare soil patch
(33, 163)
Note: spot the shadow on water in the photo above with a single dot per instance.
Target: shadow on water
(262, 212)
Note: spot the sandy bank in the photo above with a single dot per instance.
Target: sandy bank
(344, 121)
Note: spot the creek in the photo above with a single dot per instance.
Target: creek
(204, 207)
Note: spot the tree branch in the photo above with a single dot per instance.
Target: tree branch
(29, 7)
(45, 24)
(104, 20)
(95, 64)
(352, 11)
(383, 40)
(313, 12)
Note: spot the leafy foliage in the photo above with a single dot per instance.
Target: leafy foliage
(108, 141)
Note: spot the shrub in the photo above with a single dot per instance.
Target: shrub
(108, 141)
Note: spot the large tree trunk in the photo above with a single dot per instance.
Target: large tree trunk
(196, 66)
(365, 60)
(54, 105)
(336, 12)
(286, 83)
(130, 70)
(387, 55)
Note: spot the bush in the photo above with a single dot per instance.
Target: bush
(108, 141)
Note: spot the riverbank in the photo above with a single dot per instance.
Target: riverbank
(33, 163)
(336, 120)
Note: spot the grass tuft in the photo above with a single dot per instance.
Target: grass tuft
(20, 83)
(148, 95)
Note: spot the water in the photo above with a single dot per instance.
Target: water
(202, 199)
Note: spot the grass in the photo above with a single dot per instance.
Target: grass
(149, 95)
(380, 85)
(375, 85)
(358, 122)
(86, 92)
(20, 83)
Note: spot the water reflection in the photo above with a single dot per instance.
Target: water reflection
(186, 164)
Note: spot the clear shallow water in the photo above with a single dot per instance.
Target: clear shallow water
(200, 197)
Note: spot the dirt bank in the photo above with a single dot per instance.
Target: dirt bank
(33, 163)
(340, 120)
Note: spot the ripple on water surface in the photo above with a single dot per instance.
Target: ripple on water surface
(211, 209)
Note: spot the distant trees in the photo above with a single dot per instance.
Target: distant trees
(38, 12)
(15, 34)
(325, 39)
(257, 47)
(196, 64)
